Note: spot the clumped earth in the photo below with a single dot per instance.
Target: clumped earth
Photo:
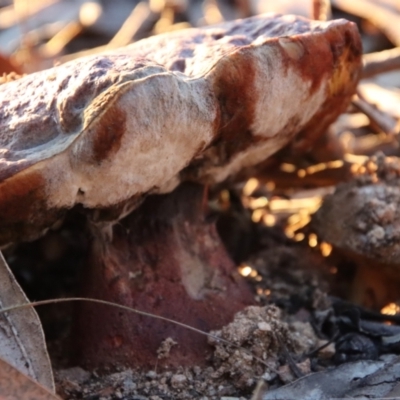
(253, 348)
(291, 332)
(263, 342)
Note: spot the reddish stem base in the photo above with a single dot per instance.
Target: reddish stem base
(166, 259)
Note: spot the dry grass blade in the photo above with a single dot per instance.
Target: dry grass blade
(14, 385)
(18, 307)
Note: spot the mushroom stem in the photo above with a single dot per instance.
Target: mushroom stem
(167, 259)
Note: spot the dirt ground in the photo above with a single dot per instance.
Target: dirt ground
(270, 341)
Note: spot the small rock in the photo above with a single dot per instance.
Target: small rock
(328, 351)
(178, 381)
(268, 376)
(75, 375)
(376, 234)
(151, 375)
(286, 375)
(264, 326)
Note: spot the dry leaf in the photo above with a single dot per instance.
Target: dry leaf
(361, 379)
(14, 385)
(22, 341)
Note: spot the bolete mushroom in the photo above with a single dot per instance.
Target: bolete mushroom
(197, 105)
(361, 220)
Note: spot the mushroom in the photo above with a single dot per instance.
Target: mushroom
(361, 219)
(106, 131)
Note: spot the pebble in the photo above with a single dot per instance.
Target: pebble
(178, 381)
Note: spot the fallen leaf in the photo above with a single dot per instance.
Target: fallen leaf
(361, 379)
(14, 385)
(22, 341)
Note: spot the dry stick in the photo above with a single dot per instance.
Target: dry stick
(292, 365)
(133, 310)
(9, 17)
(321, 10)
(375, 12)
(384, 121)
(141, 19)
(381, 61)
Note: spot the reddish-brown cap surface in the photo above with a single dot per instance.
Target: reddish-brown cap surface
(196, 105)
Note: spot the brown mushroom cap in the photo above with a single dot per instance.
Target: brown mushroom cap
(362, 216)
(198, 104)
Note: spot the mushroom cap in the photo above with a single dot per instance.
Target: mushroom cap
(198, 104)
(362, 216)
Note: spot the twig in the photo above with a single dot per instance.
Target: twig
(9, 17)
(321, 10)
(376, 13)
(141, 20)
(381, 61)
(292, 364)
(382, 120)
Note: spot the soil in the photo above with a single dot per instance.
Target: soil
(263, 342)
(274, 342)
(253, 348)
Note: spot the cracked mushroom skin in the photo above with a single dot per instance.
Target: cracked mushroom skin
(196, 105)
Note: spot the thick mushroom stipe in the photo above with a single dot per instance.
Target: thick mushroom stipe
(166, 259)
(196, 105)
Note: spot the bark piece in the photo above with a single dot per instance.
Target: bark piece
(165, 259)
(381, 62)
(195, 105)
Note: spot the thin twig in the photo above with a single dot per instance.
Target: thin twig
(382, 120)
(292, 365)
(381, 61)
(376, 12)
(321, 10)
(141, 20)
